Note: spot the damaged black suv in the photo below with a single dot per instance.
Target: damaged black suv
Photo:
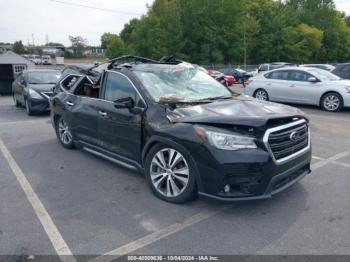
(188, 133)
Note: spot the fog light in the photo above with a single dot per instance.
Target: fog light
(227, 188)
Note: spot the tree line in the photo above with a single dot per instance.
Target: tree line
(236, 31)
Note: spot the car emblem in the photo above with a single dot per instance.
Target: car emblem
(294, 136)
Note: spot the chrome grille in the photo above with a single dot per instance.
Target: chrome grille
(287, 141)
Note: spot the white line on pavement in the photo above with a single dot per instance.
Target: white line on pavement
(328, 117)
(153, 237)
(25, 122)
(329, 160)
(49, 226)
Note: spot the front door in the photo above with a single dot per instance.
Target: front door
(301, 90)
(120, 129)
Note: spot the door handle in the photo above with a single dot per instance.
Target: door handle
(102, 113)
(69, 103)
(268, 84)
(292, 85)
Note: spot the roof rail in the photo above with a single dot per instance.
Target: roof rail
(126, 58)
(170, 60)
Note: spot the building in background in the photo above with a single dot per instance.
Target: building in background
(10, 65)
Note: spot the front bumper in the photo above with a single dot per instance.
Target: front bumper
(251, 174)
(39, 105)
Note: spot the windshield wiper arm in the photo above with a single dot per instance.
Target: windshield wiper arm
(216, 98)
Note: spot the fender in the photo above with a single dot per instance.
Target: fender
(159, 139)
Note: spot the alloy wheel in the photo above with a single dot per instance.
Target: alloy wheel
(64, 133)
(169, 172)
(261, 95)
(331, 103)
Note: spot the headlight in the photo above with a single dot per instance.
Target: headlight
(34, 94)
(226, 141)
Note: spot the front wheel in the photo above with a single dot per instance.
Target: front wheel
(170, 174)
(332, 102)
(63, 133)
(28, 108)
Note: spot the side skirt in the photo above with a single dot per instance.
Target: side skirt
(115, 158)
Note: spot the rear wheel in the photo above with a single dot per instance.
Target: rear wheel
(261, 94)
(63, 133)
(332, 102)
(170, 174)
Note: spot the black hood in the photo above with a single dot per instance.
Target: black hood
(241, 111)
(41, 87)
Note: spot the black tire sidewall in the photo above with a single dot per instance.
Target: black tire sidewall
(189, 193)
(71, 144)
(341, 105)
(28, 110)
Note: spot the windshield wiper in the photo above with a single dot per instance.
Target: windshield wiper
(215, 98)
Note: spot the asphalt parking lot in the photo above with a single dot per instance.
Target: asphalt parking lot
(57, 201)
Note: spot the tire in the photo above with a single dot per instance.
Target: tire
(332, 102)
(17, 104)
(261, 94)
(63, 133)
(28, 109)
(172, 181)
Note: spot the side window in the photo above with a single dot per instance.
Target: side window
(299, 76)
(278, 75)
(20, 78)
(118, 86)
(68, 82)
(346, 69)
(264, 67)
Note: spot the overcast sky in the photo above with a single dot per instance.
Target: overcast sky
(20, 18)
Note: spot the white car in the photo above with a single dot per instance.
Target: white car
(46, 60)
(36, 59)
(299, 85)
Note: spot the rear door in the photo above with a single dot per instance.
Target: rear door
(276, 85)
(81, 112)
(119, 129)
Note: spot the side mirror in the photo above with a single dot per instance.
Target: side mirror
(125, 102)
(22, 82)
(312, 80)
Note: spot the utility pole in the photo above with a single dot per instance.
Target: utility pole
(47, 39)
(33, 39)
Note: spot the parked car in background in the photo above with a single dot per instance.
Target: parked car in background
(268, 67)
(342, 70)
(33, 88)
(326, 67)
(301, 85)
(222, 78)
(240, 75)
(182, 129)
(36, 59)
(46, 60)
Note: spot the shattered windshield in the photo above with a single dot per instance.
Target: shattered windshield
(182, 83)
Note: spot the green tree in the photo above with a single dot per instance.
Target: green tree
(78, 45)
(115, 47)
(18, 47)
(106, 38)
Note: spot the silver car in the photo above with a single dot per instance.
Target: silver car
(311, 86)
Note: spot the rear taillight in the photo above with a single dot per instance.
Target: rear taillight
(248, 82)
